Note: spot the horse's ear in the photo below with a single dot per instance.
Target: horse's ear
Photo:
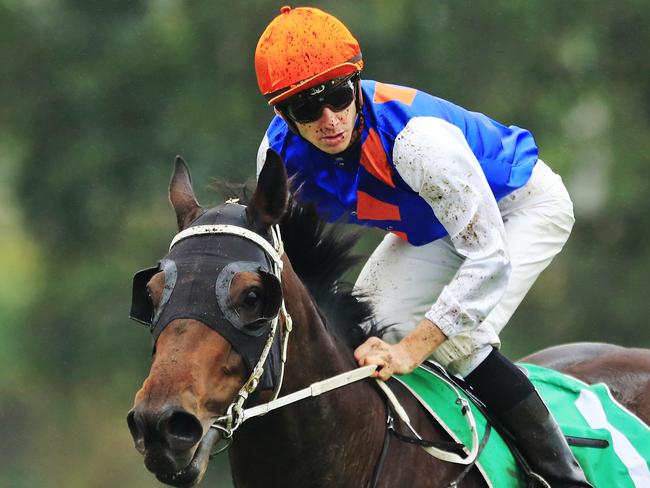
(181, 194)
(269, 201)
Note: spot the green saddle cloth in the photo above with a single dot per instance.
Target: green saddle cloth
(581, 410)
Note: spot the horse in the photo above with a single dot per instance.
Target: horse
(211, 359)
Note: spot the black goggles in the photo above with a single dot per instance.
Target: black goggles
(308, 105)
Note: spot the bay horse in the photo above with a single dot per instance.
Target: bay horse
(222, 300)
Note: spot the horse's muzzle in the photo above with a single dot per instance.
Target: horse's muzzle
(170, 442)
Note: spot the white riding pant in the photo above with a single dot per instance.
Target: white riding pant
(403, 281)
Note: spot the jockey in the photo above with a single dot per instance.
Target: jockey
(473, 216)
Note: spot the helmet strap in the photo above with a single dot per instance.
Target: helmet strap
(358, 96)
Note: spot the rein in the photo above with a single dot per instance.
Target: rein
(236, 414)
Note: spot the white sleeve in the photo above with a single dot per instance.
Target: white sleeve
(432, 156)
(261, 155)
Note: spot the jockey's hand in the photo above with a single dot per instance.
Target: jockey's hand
(403, 357)
(390, 358)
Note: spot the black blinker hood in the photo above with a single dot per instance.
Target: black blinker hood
(198, 272)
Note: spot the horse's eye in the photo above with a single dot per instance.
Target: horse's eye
(155, 288)
(252, 298)
(248, 297)
(150, 296)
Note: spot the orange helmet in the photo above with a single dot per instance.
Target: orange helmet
(303, 47)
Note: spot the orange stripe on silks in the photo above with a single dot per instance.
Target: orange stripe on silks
(388, 93)
(369, 208)
(373, 158)
(401, 235)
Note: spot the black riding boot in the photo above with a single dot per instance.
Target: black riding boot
(511, 397)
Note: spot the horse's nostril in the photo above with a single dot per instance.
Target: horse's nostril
(182, 430)
(136, 432)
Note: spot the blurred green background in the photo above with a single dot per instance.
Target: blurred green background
(97, 97)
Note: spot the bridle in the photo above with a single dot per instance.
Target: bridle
(236, 414)
(234, 417)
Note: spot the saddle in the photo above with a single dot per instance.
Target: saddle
(609, 441)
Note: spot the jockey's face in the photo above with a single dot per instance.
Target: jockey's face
(332, 131)
(324, 114)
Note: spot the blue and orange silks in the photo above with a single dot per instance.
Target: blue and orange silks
(362, 185)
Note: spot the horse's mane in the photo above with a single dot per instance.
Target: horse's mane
(321, 254)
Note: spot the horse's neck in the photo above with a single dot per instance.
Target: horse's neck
(313, 352)
(335, 439)
(341, 429)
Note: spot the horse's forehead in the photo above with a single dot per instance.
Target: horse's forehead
(231, 247)
(228, 213)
